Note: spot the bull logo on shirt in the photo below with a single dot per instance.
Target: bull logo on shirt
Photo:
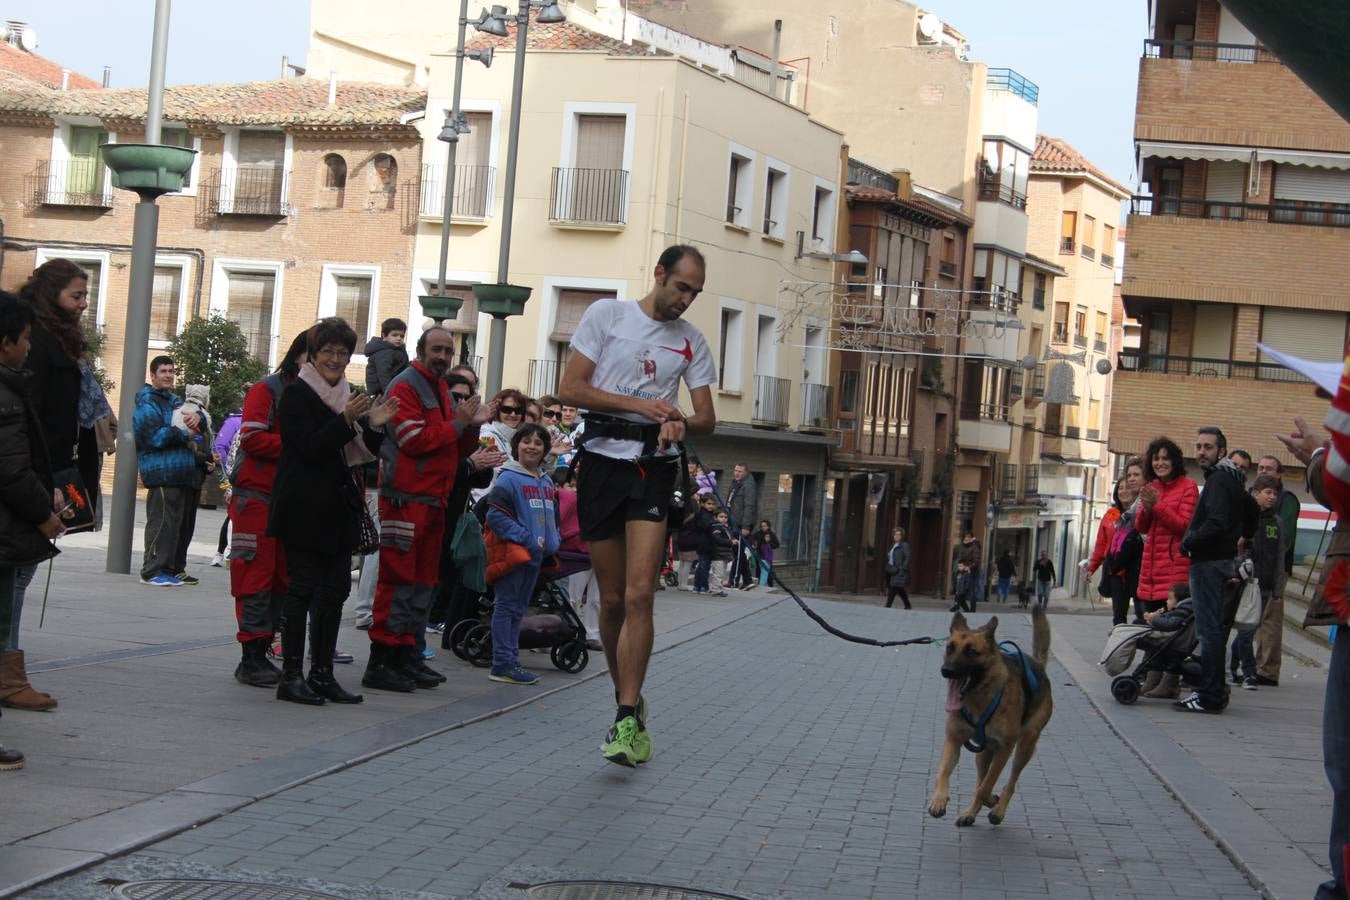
(646, 365)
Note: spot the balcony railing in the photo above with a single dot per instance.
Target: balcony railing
(1032, 482)
(1038, 381)
(860, 172)
(1060, 334)
(72, 182)
(1015, 384)
(473, 191)
(1142, 361)
(947, 269)
(1108, 260)
(974, 409)
(817, 400)
(248, 191)
(1094, 434)
(1088, 252)
(1009, 485)
(771, 400)
(1073, 431)
(1066, 245)
(544, 376)
(996, 189)
(1208, 50)
(1008, 80)
(589, 196)
(1099, 345)
(1080, 340)
(1285, 212)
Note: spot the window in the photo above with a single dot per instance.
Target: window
(1089, 241)
(85, 172)
(382, 181)
(353, 300)
(591, 184)
(352, 293)
(795, 515)
(1108, 246)
(775, 202)
(731, 341)
(1080, 326)
(95, 266)
(256, 184)
(1003, 174)
(1009, 481)
(740, 190)
(1094, 419)
(879, 283)
(1099, 340)
(1060, 335)
(1000, 275)
(251, 296)
(1068, 230)
(848, 392)
(334, 181)
(1038, 291)
(572, 304)
(181, 137)
(822, 216)
(166, 296)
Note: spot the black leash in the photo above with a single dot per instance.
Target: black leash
(774, 579)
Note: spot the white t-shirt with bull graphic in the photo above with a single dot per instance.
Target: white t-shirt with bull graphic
(637, 356)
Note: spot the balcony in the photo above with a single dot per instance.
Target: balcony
(1008, 80)
(1009, 482)
(1108, 261)
(947, 269)
(544, 376)
(861, 173)
(1038, 381)
(1200, 367)
(1032, 481)
(817, 401)
(1080, 341)
(473, 192)
(771, 401)
(1059, 334)
(1099, 345)
(1088, 252)
(589, 197)
(1069, 445)
(1238, 253)
(72, 182)
(248, 191)
(1066, 245)
(995, 189)
(984, 426)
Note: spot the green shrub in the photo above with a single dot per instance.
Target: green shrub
(213, 351)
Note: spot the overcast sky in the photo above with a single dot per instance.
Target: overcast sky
(1084, 56)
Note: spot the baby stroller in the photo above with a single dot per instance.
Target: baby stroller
(552, 623)
(1164, 651)
(670, 570)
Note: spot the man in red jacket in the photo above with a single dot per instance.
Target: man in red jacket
(257, 563)
(427, 437)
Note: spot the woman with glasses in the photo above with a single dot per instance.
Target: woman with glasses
(551, 413)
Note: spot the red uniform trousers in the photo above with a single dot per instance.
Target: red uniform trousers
(410, 555)
(257, 568)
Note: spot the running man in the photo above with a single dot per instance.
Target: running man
(627, 361)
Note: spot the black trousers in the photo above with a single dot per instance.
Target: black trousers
(189, 527)
(891, 595)
(319, 585)
(165, 510)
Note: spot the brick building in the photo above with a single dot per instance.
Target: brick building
(1238, 235)
(296, 207)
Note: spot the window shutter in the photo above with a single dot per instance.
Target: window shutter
(1309, 183)
(1213, 331)
(1226, 182)
(571, 305)
(600, 142)
(1310, 333)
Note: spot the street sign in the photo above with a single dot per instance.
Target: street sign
(989, 515)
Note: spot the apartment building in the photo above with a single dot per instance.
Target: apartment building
(631, 141)
(295, 207)
(1237, 235)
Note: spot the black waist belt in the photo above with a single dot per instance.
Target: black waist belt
(599, 425)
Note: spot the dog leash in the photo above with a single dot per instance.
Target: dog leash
(774, 579)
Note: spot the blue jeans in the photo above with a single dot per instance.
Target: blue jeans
(1004, 585)
(1043, 592)
(511, 596)
(701, 568)
(1336, 756)
(1207, 588)
(14, 583)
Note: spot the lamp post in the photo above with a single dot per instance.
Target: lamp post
(150, 170)
(504, 299)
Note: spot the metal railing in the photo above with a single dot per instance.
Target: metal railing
(947, 269)
(979, 409)
(860, 172)
(1059, 334)
(589, 196)
(817, 401)
(1099, 345)
(1201, 367)
(1108, 260)
(473, 191)
(544, 376)
(1066, 245)
(771, 400)
(994, 188)
(1208, 50)
(1038, 381)
(1080, 340)
(1009, 485)
(1094, 434)
(1072, 431)
(1088, 252)
(1008, 80)
(72, 182)
(1031, 483)
(248, 191)
(1285, 212)
(1015, 384)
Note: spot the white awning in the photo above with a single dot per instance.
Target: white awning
(1299, 158)
(1216, 152)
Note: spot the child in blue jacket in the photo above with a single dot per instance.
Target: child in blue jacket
(522, 508)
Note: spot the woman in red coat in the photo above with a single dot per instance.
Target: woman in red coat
(1166, 504)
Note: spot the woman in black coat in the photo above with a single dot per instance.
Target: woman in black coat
(317, 507)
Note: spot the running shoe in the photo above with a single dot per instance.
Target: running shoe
(342, 656)
(514, 675)
(641, 708)
(428, 653)
(217, 560)
(1249, 683)
(363, 623)
(619, 746)
(436, 627)
(163, 579)
(189, 580)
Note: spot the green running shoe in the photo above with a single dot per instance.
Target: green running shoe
(641, 708)
(642, 746)
(618, 746)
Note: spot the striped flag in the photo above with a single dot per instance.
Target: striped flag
(1338, 459)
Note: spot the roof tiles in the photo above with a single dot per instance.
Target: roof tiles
(1056, 155)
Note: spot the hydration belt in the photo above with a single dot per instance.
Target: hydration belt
(599, 425)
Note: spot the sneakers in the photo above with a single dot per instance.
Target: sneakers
(1193, 704)
(619, 746)
(1264, 681)
(189, 580)
(363, 623)
(163, 579)
(514, 675)
(642, 746)
(217, 560)
(435, 628)
(428, 653)
(1249, 683)
(341, 656)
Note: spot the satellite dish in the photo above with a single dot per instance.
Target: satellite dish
(930, 26)
(28, 40)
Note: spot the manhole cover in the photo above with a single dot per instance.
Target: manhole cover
(187, 889)
(616, 890)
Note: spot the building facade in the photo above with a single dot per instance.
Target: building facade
(1237, 236)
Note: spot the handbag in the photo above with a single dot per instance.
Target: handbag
(78, 512)
(369, 540)
(469, 552)
(1248, 614)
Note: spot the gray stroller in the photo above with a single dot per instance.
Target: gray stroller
(1164, 651)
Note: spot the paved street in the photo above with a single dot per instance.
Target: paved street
(788, 763)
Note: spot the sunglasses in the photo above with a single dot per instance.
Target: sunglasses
(460, 396)
(510, 410)
(551, 414)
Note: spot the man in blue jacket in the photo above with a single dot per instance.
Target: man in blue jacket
(168, 470)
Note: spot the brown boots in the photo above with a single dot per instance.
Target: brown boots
(1167, 688)
(15, 691)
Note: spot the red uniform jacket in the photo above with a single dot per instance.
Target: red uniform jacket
(1163, 527)
(419, 463)
(255, 465)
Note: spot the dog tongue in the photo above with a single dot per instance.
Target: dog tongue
(953, 695)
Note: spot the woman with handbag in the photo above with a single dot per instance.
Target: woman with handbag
(318, 510)
(58, 293)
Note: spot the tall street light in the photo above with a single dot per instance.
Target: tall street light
(440, 306)
(503, 299)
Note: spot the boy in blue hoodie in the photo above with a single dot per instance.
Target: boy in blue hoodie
(522, 508)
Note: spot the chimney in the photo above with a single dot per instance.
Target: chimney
(107, 75)
(773, 59)
(332, 88)
(65, 79)
(904, 187)
(14, 32)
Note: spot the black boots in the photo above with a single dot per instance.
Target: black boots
(254, 667)
(293, 686)
(383, 672)
(327, 622)
(411, 665)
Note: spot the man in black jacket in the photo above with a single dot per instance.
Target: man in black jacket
(1224, 517)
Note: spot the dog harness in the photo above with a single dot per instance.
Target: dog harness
(979, 741)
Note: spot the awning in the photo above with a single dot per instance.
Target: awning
(1213, 152)
(1300, 158)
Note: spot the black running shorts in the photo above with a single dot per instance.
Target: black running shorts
(612, 492)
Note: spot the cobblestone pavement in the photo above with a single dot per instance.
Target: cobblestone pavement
(788, 764)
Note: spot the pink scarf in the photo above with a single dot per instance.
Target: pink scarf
(335, 397)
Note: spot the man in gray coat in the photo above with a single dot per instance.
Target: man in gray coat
(743, 498)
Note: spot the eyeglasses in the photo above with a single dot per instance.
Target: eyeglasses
(551, 414)
(460, 397)
(510, 410)
(339, 353)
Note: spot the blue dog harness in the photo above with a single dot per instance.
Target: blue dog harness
(979, 741)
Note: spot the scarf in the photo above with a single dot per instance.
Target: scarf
(335, 397)
(93, 402)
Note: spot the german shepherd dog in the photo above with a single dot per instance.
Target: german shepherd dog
(976, 671)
